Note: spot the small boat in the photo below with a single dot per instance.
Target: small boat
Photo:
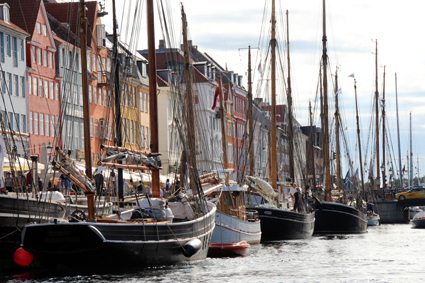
(372, 216)
(236, 227)
(279, 223)
(418, 220)
(228, 249)
(373, 219)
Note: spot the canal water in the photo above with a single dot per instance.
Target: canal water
(386, 253)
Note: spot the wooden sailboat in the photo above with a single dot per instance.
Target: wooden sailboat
(152, 235)
(236, 227)
(333, 217)
(277, 222)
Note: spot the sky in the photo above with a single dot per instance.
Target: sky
(224, 29)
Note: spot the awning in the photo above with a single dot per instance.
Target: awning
(20, 164)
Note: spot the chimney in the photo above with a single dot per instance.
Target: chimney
(4, 12)
(161, 44)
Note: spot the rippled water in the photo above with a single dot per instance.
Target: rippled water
(387, 253)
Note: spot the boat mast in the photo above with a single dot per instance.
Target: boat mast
(195, 183)
(223, 120)
(337, 129)
(359, 141)
(153, 101)
(250, 120)
(290, 115)
(117, 102)
(377, 117)
(384, 185)
(312, 161)
(273, 151)
(398, 134)
(411, 153)
(325, 110)
(86, 106)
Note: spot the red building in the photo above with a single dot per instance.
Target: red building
(42, 86)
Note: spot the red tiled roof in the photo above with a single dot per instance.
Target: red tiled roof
(68, 12)
(24, 13)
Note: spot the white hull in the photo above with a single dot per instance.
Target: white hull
(373, 220)
(229, 229)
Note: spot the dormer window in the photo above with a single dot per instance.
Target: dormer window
(4, 12)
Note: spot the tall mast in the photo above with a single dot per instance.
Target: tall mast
(290, 115)
(250, 120)
(273, 153)
(195, 183)
(359, 141)
(153, 101)
(223, 120)
(311, 137)
(398, 133)
(325, 110)
(86, 106)
(376, 117)
(410, 153)
(337, 129)
(384, 185)
(117, 91)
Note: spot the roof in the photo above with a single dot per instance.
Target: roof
(168, 58)
(12, 26)
(24, 13)
(69, 12)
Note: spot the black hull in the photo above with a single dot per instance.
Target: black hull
(337, 218)
(15, 213)
(419, 223)
(278, 224)
(117, 244)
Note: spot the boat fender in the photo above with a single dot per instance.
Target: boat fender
(191, 247)
(22, 257)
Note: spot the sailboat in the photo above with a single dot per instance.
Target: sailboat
(236, 226)
(277, 221)
(333, 217)
(150, 236)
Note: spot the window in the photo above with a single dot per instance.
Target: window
(50, 59)
(24, 123)
(31, 127)
(8, 45)
(44, 58)
(40, 87)
(38, 28)
(52, 126)
(22, 49)
(33, 54)
(51, 93)
(16, 122)
(47, 121)
(41, 126)
(17, 84)
(10, 84)
(3, 82)
(23, 89)
(46, 88)
(10, 118)
(56, 91)
(34, 86)
(2, 46)
(38, 56)
(44, 30)
(15, 51)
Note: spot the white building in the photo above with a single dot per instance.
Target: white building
(13, 67)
